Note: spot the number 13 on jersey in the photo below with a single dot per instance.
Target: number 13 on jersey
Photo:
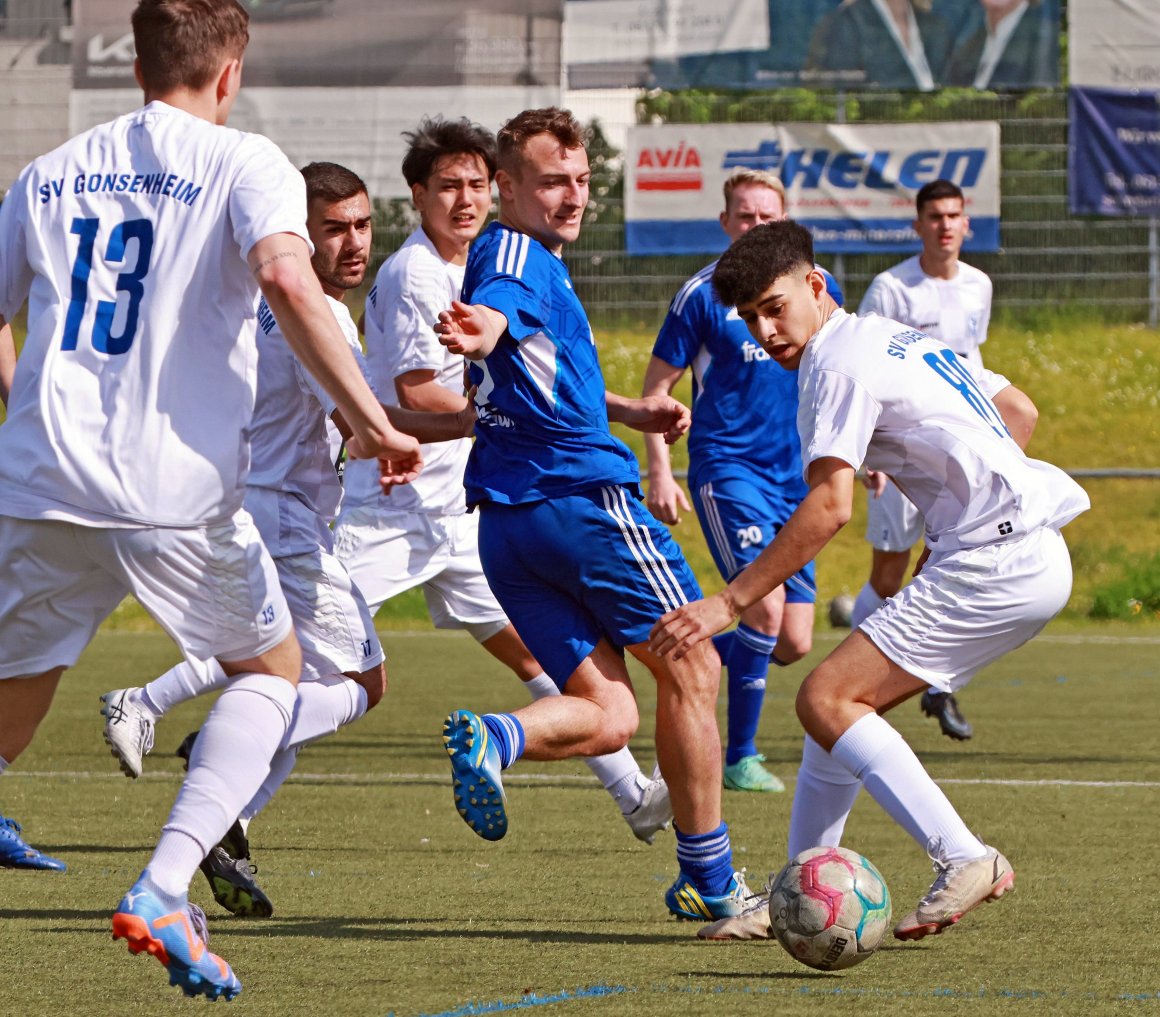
(135, 266)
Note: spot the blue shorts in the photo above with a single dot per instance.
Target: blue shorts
(577, 569)
(740, 518)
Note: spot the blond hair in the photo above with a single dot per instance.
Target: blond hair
(762, 178)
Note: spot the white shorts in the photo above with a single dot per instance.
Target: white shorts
(892, 521)
(387, 554)
(334, 624)
(967, 608)
(214, 589)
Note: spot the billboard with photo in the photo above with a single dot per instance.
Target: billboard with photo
(912, 45)
(852, 185)
(1114, 109)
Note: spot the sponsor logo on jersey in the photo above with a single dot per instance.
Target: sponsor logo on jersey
(812, 168)
(751, 352)
(669, 169)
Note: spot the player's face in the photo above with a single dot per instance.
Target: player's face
(942, 227)
(546, 197)
(454, 202)
(341, 233)
(751, 205)
(786, 315)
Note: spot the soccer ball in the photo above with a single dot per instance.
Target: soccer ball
(829, 908)
(842, 611)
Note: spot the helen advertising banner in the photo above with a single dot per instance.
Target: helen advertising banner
(1114, 109)
(852, 185)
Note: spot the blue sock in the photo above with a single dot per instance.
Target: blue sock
(508, 735)
(724, 643)
(707, 860)
(748, 664)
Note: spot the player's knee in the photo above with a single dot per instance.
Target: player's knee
(817, 699)
(374, 683)
(792, 646)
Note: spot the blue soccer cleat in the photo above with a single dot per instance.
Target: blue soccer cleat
(15, 853)
(177, 938)
(689, 904)
(475, 768)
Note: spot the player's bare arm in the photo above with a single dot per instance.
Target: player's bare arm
(421, 390)
(655, 414)
(7, 360)
(281, 265)
(471, 330)
(823, 512)
(1018, 412)
(666, 498)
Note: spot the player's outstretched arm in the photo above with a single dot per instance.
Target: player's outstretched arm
(823, 512)
(281, 264)
(655, 414)
(666, 498)
(1019, 413)
(471, 330)
(7, 360)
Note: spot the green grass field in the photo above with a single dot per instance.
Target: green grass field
(387, 904)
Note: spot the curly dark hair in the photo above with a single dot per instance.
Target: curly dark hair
(756, 258)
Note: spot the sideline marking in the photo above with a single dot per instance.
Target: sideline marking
(529, 1000)
(539, 778)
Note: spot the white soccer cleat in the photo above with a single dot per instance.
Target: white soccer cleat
(128, 729)
(956, 890)
(752, 923)
(654, 813)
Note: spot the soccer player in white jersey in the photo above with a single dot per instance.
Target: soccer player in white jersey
(422, 535)
(131, 244)
(935, 293)
(878, 393)
(292, 494)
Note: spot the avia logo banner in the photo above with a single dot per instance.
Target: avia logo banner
(853, 185)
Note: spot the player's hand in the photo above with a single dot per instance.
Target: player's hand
(467, 415)
(666, 499)
(399, 455)
(875, 482)
(657, 414)
(465, 329)
(679, 631)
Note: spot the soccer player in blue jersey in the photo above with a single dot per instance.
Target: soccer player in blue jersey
(745, 471)
(574, 558)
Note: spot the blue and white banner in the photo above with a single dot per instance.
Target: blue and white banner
(853, 185)
(1114, 109)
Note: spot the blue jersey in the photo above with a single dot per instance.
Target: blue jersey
(542, 429)
(744, 405)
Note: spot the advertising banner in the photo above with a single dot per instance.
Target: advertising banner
(853, 185)
(1114, 109)
(916, 45)
(331, 43)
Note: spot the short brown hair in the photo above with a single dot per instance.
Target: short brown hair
(330, 182)
(520, 129)
(762, 178)
(183, 43)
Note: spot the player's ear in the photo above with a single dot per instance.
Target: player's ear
(229, 80)
(503, 183)
(817, 281)
(418, 196)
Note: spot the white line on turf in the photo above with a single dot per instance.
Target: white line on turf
(544, 778)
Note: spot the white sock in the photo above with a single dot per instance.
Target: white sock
(618, 772)
(865, 604)
(230, 760)
(823, 798)
(892, 775)
(325, 705)
(281, 766)
(180, 684)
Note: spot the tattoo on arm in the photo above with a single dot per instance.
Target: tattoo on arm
(270, 260)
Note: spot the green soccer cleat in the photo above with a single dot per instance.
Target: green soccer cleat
(748, 774)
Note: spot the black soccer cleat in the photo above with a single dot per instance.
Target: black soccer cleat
(944, 707)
